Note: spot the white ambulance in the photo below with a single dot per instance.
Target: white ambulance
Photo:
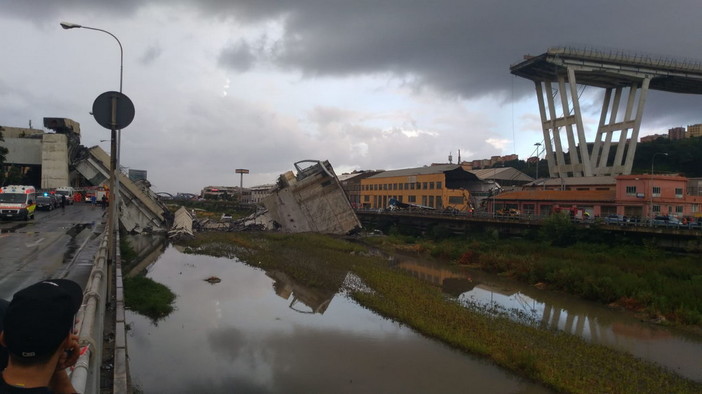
(17, 202)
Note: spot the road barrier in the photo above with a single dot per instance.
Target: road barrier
(85, 376)
(86, 373)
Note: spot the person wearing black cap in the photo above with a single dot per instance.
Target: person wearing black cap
(38, 335)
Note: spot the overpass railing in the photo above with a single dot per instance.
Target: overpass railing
(85, 376)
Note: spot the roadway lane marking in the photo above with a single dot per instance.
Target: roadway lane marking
(35, 243)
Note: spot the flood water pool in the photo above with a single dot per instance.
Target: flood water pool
(260, 332)
(676, 350)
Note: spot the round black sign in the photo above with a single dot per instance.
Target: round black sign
(122, 105)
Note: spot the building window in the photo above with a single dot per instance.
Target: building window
(431, 200)
(656, 208)
(439, 202)
(438, 185)
(411, 198)
(678, 192)
(678, 209)
(366, 198)
(424, 200)
(419, 186)
(656, 191)
(411, 186)
(631, 190)
(424, 185)
(401, 184)
(455, 200)
(431, 185)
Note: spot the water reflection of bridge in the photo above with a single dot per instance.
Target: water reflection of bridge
(580, 318)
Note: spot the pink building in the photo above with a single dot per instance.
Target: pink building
(650, 195)
(642, 196)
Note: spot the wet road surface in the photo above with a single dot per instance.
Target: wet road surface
(55, 244)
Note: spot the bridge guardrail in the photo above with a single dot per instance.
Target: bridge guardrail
(85, 376)
(86, 373)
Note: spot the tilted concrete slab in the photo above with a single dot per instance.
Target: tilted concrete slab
(182, 224)
(139, 209)
(311, 201)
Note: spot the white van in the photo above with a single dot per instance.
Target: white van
(18, 202)
(67, 191)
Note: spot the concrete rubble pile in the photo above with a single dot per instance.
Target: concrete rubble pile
(311, 201)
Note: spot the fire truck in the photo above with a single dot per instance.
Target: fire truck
(18, 202)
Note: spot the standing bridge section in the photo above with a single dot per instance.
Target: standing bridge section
(626, 79)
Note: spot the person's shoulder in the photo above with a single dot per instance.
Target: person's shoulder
(9, 389)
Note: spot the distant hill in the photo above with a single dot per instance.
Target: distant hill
(684, 157)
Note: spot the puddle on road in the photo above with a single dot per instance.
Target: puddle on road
(14, 228)
(262, 332)
(72, 245)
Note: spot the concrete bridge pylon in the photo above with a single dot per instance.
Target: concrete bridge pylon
(626, 79)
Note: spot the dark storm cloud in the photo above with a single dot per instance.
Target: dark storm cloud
(460, 47)
(466, 47)
(237, 57)
(152, 53)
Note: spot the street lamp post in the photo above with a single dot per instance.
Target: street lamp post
(114, 151)
(495, 188)
(537, 145)
(653, 160)
(241, 171)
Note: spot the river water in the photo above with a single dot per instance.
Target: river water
(673, 349)
(260, 332)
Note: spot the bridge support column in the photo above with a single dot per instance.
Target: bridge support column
(627, 129)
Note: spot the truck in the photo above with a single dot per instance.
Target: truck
(18, 202)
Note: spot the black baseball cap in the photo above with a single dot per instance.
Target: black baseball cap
(40, 317)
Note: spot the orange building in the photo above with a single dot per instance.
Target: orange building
(436, 187)
(639, 196)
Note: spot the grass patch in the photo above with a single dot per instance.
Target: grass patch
(558, 360)
(147, 297)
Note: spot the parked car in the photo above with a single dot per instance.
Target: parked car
(616, 219)
(692, 223)
(666, 221)
(45, 203)
(226, 217)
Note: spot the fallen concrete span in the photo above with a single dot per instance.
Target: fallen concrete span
(139, 210)
(311, 201)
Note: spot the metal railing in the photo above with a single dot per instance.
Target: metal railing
(85, 376)
(86, 373)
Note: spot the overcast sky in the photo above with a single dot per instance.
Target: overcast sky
(226, 84)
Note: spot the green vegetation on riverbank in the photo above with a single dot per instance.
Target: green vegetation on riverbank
(662, 286)
(561, 361)
(147, 297)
